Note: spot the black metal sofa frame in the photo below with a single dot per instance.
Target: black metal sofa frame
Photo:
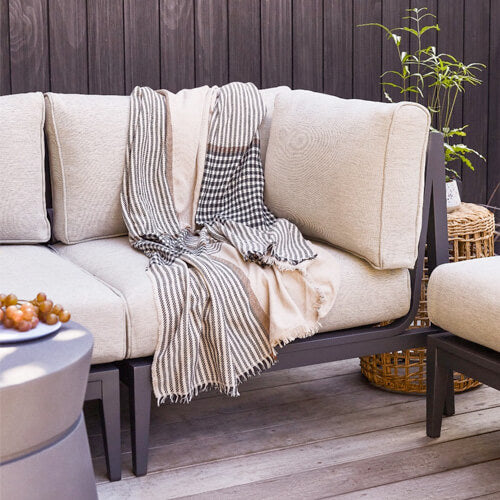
(321, 348)
(447, 353)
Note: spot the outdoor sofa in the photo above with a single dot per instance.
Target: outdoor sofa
(364, 178)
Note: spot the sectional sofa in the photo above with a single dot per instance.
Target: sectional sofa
(364, 178)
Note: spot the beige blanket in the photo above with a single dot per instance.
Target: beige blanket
(231, 281)
(290, 303)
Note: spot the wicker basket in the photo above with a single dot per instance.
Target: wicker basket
(471, 231)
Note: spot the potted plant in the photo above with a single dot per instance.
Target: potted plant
(435, 80)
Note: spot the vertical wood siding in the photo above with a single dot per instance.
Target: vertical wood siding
(109, 46)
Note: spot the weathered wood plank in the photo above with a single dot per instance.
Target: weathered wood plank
(286, 460)
(367, 53)
(244, 41)
(308, 45)
(464, 483)
(337, 48)
(185, 434)
(68, 46)
(359, 475)
(475, 104)
(293, 413)
(392, 13)
(451, 22)
(284, 380)
(494, 106)
(254, 401)
(4, 48)
(357, 413)
(29, 51)
(142, 44)
(276, 32)
(492, 496)
(105, 46)
(177, 44)
(211, 36)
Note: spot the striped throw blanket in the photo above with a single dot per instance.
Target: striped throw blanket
(193, 202)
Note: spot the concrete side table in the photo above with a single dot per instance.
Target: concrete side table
(44, 450)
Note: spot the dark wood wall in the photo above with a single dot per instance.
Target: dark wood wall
(109, 46)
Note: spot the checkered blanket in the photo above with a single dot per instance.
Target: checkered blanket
(214, 331)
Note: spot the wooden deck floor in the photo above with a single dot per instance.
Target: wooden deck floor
(314, 432)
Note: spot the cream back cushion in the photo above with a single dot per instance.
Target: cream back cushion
(350, 173)
(23, 214)
(87, 141)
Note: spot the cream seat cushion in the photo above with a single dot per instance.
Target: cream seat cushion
(464, 298)
(23, 215)
(350, 173)
(28, 269)
(366, 295)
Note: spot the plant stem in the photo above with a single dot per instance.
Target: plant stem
(452, 108)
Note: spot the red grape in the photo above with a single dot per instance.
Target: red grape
(57, 309)
(64, 316)
(10, 300)
(23, 326)
(8, 323)
(10, 311)
(46, 306)
(51, 319)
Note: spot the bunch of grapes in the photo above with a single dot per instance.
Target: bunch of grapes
(23, 315)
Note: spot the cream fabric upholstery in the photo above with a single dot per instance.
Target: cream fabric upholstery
(28, 269)
(365, 295)
(87, 140)
(350, 173)
(464, 298)
(269, 98)
(23, 215)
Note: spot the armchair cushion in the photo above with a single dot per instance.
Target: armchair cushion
(23, 217)
(350, 173)
(464, 298)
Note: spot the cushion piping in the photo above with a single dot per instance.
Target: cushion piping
(59, 154)
(421, 181)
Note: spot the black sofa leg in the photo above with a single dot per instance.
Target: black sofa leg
(440, 395)
(136, 374)
(449, 403)
(104, 385)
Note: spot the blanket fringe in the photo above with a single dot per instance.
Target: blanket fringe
(308, 330)
(231, 391)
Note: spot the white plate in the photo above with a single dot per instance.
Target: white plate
(9, 335)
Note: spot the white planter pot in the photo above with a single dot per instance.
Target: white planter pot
(453, 200)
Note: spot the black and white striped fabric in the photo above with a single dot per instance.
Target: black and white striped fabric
(209, 335)
(231, 204)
